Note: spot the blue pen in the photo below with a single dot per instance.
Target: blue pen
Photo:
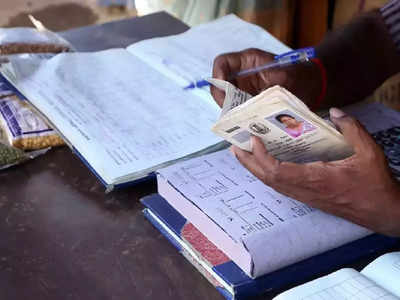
(286, 59)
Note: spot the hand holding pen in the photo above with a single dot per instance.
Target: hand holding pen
(254, 70)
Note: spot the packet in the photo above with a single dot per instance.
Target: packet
(10, 156)
(23, 128)
(31, 40)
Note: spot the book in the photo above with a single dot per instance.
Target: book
(125, 111)
(378, 280)
(288, 128)
(227, 277)
(240, 214)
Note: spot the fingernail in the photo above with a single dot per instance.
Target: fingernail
(336, 113)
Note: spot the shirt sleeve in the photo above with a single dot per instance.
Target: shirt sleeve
(391, 15)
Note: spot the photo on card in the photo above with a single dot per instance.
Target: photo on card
(294, 125)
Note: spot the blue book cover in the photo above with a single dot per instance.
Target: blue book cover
(228, 278)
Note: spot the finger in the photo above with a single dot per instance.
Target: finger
(277, 172)
(227, 65)
(254, 83)
(261, 154)
(353, 132)
(300, 181)
(248, 161)
(224, 66)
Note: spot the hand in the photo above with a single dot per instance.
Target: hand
(359, 188)
(303, 80)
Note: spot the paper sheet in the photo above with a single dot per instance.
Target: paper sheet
(231, 195)
(121, 114)
(385, 271)
(341, 285)
(189, 56)
(252, 213)
(233, 96)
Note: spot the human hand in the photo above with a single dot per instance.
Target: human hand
(303, 80)
(359, 188)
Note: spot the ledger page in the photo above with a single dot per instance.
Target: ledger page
(340, 285)
(252, 213)
(385, 271)
(189, 56)
(120, 114)
(230, 195)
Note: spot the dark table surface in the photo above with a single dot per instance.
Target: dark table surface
(62, 237)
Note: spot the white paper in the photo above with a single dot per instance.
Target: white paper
(299, 239)
(119, 113)
(233, 96)
(231, 195)
(252, 213)
(189, 56)
(385, 271)
(341, 285)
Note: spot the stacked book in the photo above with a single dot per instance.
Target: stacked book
(244, 237)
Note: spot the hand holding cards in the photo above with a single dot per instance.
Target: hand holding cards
(288, 128)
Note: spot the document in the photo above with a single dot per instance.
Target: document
(380, 280)
(232, 196)
(250, 213)
(189, 56)
(124, 110)
(112, 115)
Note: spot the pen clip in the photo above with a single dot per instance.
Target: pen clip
(303, 54)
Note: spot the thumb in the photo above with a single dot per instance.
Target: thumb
(353, 132)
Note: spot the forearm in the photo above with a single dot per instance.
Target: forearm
(358, 58)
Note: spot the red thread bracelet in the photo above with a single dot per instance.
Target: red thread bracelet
(324, 83)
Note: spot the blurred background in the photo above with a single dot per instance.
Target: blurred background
(298, 23)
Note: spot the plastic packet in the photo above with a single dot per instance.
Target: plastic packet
(31, 40)
(23, 128)
(11, 156)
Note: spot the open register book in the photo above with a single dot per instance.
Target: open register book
(255, 226)
(124, 111)
(380, 280)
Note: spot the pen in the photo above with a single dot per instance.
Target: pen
(286, 59)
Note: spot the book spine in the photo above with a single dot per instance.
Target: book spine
(188, 256)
